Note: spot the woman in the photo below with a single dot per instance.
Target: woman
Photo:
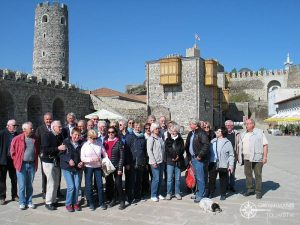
(210, 133)
(221, 161)
(147, 132)
(147, 169)
(91, 155)
(115, 152)
(156, 153)
(174, 147)
(71, 166)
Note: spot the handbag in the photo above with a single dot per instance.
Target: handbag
(190, 179)
(107, 166)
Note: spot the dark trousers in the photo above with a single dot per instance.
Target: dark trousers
(135, 175)
(249, 167)
(223, 176)
(89, 173)
(44, 179)
(13, 178)
(145, 180)
(231, 181)
(114, 189)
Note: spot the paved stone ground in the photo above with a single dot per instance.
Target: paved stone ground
(280, 203)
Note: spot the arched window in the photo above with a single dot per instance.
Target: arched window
(45, 19)
(63, 21)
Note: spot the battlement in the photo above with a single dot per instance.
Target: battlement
(54, 4)
(18, 76)
(255, 74)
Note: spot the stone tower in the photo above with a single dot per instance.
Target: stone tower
(51, 42)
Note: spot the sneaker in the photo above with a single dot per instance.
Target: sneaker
(50, 207)
(22, 207)
(193, 197)
(15, 198)
(178, 196)
(77, 207)
(31, 206)
(197, 200)
(223, 197)
(103, 206)
(2, 201)
(92, 207)
(154, 199)
(122, 205)
(168, 197)
(69, 208)
(258, 196)
(248, 193)
(161, 197)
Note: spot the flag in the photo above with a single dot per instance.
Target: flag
(197, 38)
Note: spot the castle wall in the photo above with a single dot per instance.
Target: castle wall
(29, 98)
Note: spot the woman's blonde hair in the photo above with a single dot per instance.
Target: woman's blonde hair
(91, 134)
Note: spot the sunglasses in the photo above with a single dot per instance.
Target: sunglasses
(94, 139)
(15, 125)
(110, 132)
(147, 128)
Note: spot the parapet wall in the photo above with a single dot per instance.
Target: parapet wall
(18, 76)
(256, 74)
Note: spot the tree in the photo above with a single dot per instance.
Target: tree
(240, 97)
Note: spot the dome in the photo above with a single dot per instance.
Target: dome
(245, 70)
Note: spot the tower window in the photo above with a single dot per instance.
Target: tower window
(45, 19)
(63, 55)
(44, 35)
(63, 21)
(44, 54)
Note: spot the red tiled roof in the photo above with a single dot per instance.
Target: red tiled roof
(107, 92)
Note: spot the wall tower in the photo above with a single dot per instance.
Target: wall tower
(51, 42)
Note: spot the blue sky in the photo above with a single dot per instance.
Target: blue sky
(111, 40)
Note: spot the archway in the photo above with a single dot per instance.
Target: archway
(272, 87)
(34, 110)
(7, 109)
(58, 110)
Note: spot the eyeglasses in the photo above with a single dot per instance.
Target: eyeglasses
(206, 127)
(147, 128)
(111, 132)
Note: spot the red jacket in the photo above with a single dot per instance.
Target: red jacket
(17, 149)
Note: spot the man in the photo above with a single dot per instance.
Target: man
(66, 131)
(253, 149)
(197, 152)
(135, 163)
(102, 132)
(24, 152)
(51, 146)
(90, 125)
(95, 120)
(6, 163)
(81, 125)
(123, 130)
(41, 130)
(162, 127)
(233, 136)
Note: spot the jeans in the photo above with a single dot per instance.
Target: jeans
(199, 174)
(114, 185)
(89, 172)
(13, 178)
(249, 167)
(157, 174)
(25, 179)
(232, 176)
(170, 171)
(73, 185)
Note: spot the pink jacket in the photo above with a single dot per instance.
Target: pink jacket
(17, 149)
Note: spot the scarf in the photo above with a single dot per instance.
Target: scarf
(108, 145)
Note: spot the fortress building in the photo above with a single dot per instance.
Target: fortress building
(184, 88)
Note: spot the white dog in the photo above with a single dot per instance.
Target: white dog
(209, 206)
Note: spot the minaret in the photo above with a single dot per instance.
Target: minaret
(288, 63)
(51, 42)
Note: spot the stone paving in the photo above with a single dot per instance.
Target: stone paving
(279, 205)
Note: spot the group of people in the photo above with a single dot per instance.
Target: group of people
(155, 150)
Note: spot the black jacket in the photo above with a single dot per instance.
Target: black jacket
(5, 146)
(49, 144)
(136, 150)
(70, 153)
(200, 145)
(173, 149)
(41, 130)
(117, 155)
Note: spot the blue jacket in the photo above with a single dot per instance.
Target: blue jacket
(136, 150)
(70, 153)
